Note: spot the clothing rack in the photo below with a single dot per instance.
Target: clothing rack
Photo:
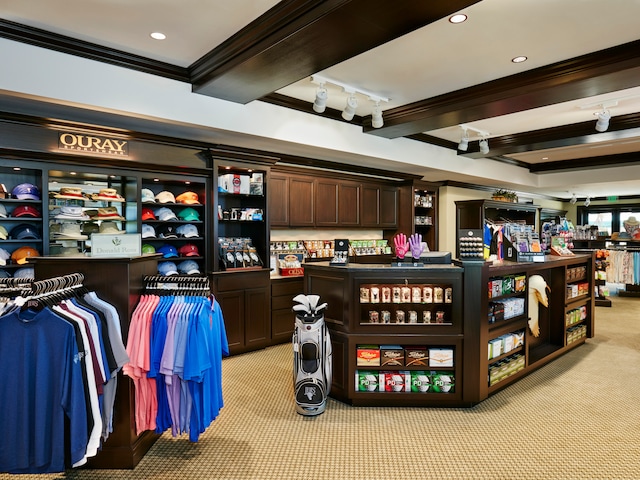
(177, 285)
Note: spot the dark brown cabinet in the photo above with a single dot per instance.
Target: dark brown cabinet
(245, 299)
(278, 202)
(348, 204)
(379, 206)
(326, 203)
(282, 316)
(301, 201)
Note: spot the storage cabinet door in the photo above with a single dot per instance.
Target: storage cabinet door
(278, 200)
(301, 206)
(348, 204)
(388, 207)
(232, 304)
(370, 205)
(257, 317)
(326, 203)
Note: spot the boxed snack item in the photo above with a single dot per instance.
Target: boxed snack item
(420, 381)
(520, 283)
(391, 355)
(397, 381)
(368, 356)
(442, 382)
(441, 357)
(367, 381)
(416, 356)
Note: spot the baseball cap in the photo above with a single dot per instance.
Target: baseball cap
(21, 254)
(189, 267)
(188, 198)
(165, 214)
(3, 233)
(26, 191)
(24, 231)
(167, 268)
(147, 196)
(109, 227)
(108, 195)
(3, 211)
(25, 211)
(165, 197)
(189, 214)
(148, 231)
(147, 214)
(88, 228)
(167, 251)
(189, 250)
(167, 231)
(147, 248)
(188, 231)
(4, 256)
(70, 193)
(25, 272)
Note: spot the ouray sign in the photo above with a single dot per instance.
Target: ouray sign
(92, 144)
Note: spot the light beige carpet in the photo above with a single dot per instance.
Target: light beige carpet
(577, 418)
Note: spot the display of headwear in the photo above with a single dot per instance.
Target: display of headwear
(631, 226)
(26, 191)
(165, 197)
(22, 254)
(188, 198)
(108, 213)
(69, 213)
(67, 231)
(110, 227)
(147, 196)
(26, 211)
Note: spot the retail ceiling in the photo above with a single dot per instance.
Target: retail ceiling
(538, 114)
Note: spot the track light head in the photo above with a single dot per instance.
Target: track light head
(463, 146)
(320, 103)
(350, 108)
(573, 200)
(484, 146)
(376, 116)
(587, 202)
(602, 124)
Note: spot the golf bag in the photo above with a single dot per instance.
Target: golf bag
(311, 356)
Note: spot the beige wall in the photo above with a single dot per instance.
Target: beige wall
(447, 196)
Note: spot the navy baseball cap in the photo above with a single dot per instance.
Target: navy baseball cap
(168, 251)
(167, 231)
(26, 191)
(24, 231)
(167, 268)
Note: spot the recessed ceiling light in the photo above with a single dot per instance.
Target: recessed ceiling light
(519, 59)
(458, 18)
(158, 35)
(545, 158)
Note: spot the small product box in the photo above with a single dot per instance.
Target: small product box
(443, 382)
(496, 288)
(420, 381)
(496, 347)
(416, 357)
(234, 183)
(367, 381)
(441, 357)
(391, 356)
(368, 356)
(397, 381)
(520, 283)
(256, 182)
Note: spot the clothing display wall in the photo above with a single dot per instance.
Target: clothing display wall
(176, 343)
(65, 347)
(624, 267)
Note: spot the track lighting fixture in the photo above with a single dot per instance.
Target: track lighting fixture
(464, 141)
(376, 116)
(320, 103)
(587, 201)
(349, 111)
(573, 200)
(484, 146)
(350, 108)
(602, 124)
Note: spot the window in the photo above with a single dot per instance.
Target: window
(602, 219)
(608, 218)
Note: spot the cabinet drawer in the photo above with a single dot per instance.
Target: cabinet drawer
(241, 280)
(287, 287)
(282, 302)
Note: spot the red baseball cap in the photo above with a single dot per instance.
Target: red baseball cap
(25, 211)
(147, 214)
(189, 250)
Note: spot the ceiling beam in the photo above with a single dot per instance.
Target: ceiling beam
(605, 71)
(620, 127)
(603, 161)
(298, 38)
